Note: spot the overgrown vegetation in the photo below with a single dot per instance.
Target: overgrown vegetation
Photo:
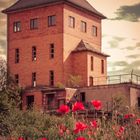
(123, 123)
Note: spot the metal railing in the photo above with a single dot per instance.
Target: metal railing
(117, 79)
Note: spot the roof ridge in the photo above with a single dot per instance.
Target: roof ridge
(86, 46)
(26, 4)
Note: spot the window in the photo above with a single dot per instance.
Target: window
(51, 78)
(138, 101)
(34, 79)
(30, 101)
(71, 22)
(34, 23)
(91, 81)
(102, 66)
(92, 63)
(51, 20)
(82, 97)
(51, 51)
(51, 101)
(16, 55)
(17, 78)
(94, 30)
(34, 53)
(83, 26)
(17, 26)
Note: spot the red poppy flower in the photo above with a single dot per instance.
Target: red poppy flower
(79, 126)
(78, 106)
(44, 139)
(61, 132)
(137, 121)
(129, 116)
(20, 138)
(120, 132)
(97, 104)
(64, 109)
(94, 124)
(63, 127)
(80, 138)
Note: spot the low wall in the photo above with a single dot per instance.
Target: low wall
(105, 93)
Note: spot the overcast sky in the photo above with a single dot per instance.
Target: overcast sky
(121, 33)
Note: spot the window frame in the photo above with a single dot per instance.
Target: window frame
(16, 26)
(92, 63)
(34, 53)
(83, 26)
(138, 99)
(83, 97)
(102, 66)
(30, 98)
(17, 56)
(17, 78)
(33, 23)
(51, 21)
(94, 31)
(71, 22)
(51, 78)
(91, 81)
(34, 79)
(52, 50)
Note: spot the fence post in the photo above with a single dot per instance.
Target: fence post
(137, 79)
(132, 76)
(120, 79)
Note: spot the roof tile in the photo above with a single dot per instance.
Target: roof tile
(84, 46)
(25, 4)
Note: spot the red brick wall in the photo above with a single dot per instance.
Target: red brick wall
(76, 32)
(41, 38)
(80, 66)
(97, 69)
(65, 39)
(38, 98)
(72, 37)
(106, 93)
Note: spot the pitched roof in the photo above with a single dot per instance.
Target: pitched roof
(26, 4)
(84, 46)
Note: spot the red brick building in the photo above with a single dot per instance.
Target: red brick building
(48, 42)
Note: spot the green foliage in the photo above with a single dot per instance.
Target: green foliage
(60, 85)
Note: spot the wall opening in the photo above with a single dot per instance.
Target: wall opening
(30, 101)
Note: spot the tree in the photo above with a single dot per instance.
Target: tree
(10, 97)
(2, 73)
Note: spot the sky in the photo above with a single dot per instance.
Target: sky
(120, 33)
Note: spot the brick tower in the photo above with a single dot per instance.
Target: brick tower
(49, 41)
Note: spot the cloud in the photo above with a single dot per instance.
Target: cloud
(129, 48)
(2, 43)
(104, 35)
(133, 56)
(3, 5)
(2, 47)
(119, 38)
(136, 46)
(135, 64)
(114, 43)
(124, 67)
(121, 63)
(6, 3)
(3, 33)
(128, 13)
(2, 51)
